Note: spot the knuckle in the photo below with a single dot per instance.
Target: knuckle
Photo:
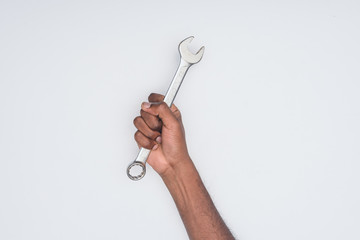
(137, 120)
(163, 106)
(137, 135)
(142, 140)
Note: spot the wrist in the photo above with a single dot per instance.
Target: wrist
(181, 169)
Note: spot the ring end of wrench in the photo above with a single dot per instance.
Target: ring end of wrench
(139, 176)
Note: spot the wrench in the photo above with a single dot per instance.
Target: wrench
(187, 59)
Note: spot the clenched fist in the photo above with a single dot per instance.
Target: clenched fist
(160, 129)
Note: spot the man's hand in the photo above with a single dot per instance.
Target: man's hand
(160, 128)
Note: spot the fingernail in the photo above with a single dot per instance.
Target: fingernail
(158, 139)
(155, 147)
(146, 104)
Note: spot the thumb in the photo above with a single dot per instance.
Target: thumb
(162, 111)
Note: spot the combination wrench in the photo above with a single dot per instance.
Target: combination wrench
(187, 59)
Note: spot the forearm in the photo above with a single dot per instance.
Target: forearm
(200, 217)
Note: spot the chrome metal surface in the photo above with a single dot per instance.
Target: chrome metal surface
(187, 59)
(139, 176)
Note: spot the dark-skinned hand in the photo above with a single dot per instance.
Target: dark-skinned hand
(160, 129)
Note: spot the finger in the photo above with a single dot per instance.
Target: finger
(163, 112)
(144, 141)
(156, 97)
(144, 128)
(152, 121)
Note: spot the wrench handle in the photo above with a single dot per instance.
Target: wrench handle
(169, 98)
(176, 82)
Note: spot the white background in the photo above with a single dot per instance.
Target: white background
(271, 114)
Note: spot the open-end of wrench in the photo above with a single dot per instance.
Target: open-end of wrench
(187, 59)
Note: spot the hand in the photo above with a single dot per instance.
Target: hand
(160, 129)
